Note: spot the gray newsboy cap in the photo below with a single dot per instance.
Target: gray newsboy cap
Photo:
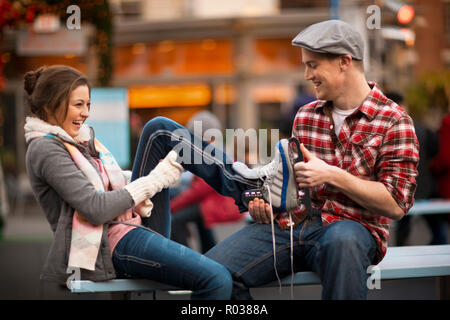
(332, 36)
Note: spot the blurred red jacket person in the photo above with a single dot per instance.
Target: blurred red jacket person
(441, 164)
(214, 207)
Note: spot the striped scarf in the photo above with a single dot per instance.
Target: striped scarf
(86, 238)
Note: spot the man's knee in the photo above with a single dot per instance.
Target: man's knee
(347, 236)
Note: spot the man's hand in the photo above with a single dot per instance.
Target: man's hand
(371, 195)
(311, 172)
(260, 211)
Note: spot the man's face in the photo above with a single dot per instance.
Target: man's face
(324, 73)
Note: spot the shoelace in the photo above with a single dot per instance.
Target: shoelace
(291, 227)
(268, 179)
(291, 236)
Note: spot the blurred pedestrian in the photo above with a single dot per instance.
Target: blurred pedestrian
(426, 183)
(302, 97)
(4, 205)
(441, 170)
(136, 127)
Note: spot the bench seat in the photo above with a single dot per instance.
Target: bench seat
(431, 206)
(399, 263)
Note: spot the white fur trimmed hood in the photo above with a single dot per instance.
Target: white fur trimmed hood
(35, 127)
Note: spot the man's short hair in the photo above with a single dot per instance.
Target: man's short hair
(359, 64)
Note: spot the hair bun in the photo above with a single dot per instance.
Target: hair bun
(31, 78)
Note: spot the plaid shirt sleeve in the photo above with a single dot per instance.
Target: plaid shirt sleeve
(397, 164)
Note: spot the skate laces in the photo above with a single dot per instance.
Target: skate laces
(291, 224)
(266, 184)
(268, 178)
(291, 238)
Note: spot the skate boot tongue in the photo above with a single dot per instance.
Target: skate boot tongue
(242, 169)
(269, 169)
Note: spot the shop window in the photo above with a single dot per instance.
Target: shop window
(174, 58)
(275, 55)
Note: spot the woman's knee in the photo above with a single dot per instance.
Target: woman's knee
(163, 126)
(221, 279)
(156, 123)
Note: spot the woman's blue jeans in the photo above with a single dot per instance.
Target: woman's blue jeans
(151, 255)
(339, 253)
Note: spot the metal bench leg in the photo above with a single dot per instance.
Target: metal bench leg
(121, 295)
(127, 295)
(444, 287)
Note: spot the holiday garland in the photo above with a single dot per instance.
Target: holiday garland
(17, 13)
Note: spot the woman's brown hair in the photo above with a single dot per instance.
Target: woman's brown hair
(49, 88)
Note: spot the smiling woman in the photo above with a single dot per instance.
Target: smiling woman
(100, 215)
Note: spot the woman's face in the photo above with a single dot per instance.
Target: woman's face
(77, 111)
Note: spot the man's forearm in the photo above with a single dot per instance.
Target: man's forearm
(371, 195)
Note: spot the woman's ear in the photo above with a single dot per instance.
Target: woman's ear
(51, 116)
(46, 113)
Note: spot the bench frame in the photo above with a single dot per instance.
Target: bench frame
(399, 263)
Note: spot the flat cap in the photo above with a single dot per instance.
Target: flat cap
(332, 36)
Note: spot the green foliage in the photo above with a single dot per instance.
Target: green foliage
(15, 13)
(430, 91)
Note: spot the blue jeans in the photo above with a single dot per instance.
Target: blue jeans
(339, 253)
(146, 254)
(159, 136)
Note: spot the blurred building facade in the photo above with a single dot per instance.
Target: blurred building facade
(233, 57)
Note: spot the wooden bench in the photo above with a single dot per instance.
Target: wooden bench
(399, 263)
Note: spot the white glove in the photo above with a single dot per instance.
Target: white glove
(144, 209)
(165, 174)
(127, 175)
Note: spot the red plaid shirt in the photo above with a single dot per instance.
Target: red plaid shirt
(376, 142)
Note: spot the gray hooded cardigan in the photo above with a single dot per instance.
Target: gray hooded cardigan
(60, 187)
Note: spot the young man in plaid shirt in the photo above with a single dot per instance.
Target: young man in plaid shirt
(361, 156)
